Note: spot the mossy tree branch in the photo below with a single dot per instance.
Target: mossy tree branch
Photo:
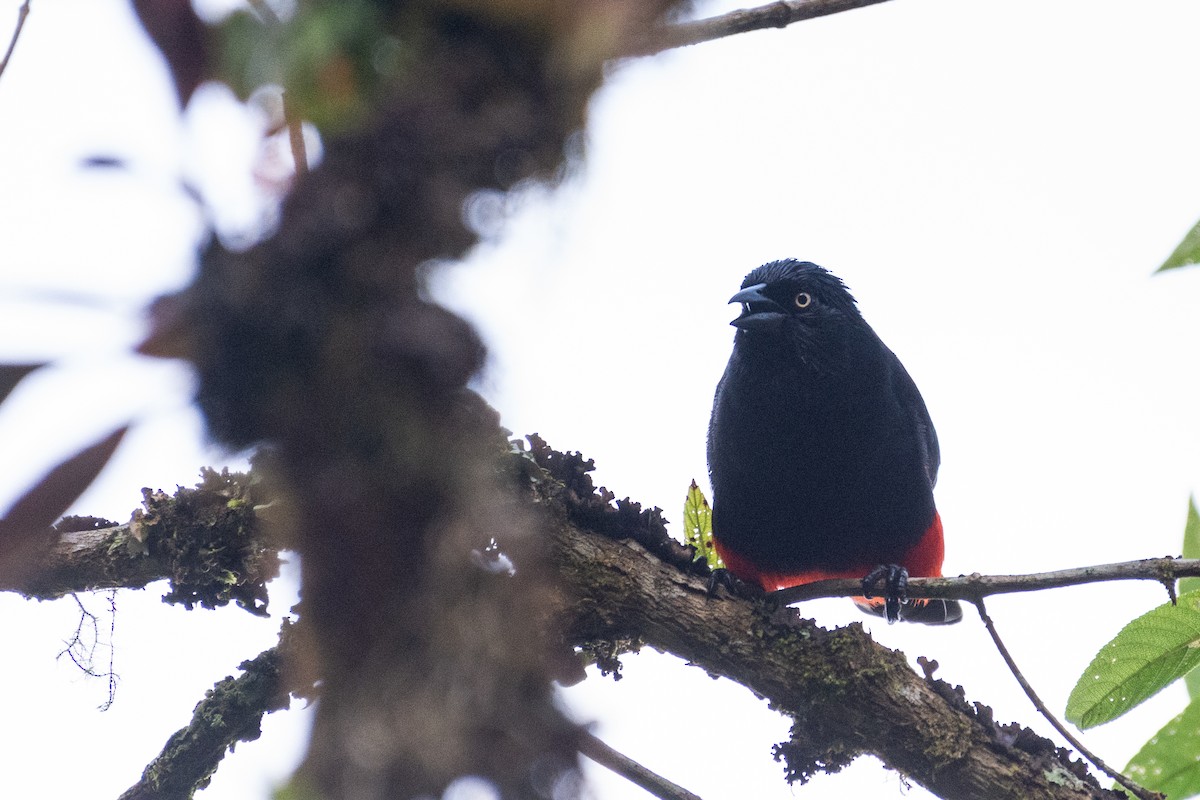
(206, 540)
(624, 583)
(848, 695)
(230, 712)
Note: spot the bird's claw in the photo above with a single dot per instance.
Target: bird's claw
(895, 588)
(721, 577)
(737, 587)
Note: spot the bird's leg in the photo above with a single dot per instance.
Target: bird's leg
(733, 584)
(895, 588)
(720, 577)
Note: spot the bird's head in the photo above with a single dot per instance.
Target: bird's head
(789, 293)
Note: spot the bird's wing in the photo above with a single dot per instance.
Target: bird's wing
(910, 399)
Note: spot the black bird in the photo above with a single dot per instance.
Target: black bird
(821, 452)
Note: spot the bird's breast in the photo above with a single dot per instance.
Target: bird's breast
(814, 467)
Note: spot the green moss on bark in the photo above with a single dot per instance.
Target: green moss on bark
(210, 542)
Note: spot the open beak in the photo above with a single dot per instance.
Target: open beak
(759, 312)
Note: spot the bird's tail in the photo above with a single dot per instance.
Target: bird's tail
(927, 612)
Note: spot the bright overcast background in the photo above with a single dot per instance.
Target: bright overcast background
(995, 180)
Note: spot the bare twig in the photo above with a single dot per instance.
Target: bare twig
(294, 124)
(1137, 790)
(975, 586)
(81, 647)
(22, 13)
(631, 770)
(295, 128)
(773, 15)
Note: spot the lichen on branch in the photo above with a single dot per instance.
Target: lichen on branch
(209, 541)
(230, 712)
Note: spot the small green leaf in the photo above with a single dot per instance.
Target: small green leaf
(1191, 549)
(697, 527)
(1188, 251)
(1168, 763)
(1147, 655)
(1191, 544)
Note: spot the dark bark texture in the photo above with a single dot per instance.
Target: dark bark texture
(848, 695)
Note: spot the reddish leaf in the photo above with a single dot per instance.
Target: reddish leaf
(46, 502)
(169, 332)
(11, 375)
(21, 553)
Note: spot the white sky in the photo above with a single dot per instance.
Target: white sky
(994, 180)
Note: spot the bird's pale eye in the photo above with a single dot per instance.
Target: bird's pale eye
(803, 300)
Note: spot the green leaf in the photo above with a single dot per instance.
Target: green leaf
(697, 527)
(1188, 251)
(1147, 655)
(1191, 549)
(1191, 544)
(247, 49)
(334, 59)
(1169, 762)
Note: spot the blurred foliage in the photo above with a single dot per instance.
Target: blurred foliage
(12, 374)
(25, 527)
(333, 59)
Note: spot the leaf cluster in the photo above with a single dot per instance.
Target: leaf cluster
(1149, 654)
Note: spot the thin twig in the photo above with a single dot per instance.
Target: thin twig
(81, 647)
(22, 13)
(631, 770)
(112, 649)
(774, 15)
(1139, 791)
(295, 128)
(976, 586)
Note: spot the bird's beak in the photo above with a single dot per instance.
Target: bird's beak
(758, 311)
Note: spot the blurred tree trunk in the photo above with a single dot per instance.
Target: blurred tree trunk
(318, 343)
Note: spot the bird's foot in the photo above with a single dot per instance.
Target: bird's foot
(737, 587)
(895, 588)
(721, 577)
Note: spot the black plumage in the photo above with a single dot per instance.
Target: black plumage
(821, 451)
